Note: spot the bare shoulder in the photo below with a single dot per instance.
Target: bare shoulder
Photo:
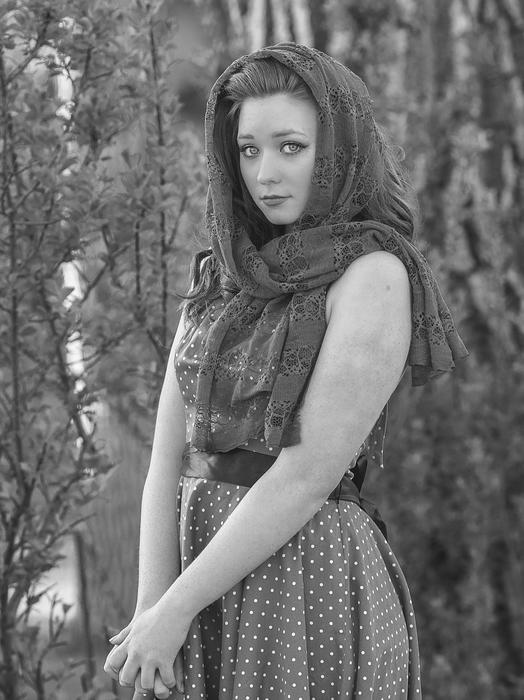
(376, 281)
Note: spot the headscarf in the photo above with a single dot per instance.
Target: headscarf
(261, 348)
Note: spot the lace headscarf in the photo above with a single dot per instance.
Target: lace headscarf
(260, 350)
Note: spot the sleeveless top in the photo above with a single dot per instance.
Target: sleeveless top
(186, 368)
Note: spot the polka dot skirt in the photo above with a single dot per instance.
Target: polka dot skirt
(328, 616)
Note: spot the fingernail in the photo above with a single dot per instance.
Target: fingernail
(112, 639)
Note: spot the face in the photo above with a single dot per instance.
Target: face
(277, 139)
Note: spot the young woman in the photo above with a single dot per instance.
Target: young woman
(270, 579)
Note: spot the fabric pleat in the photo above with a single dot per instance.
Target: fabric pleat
(328, 616)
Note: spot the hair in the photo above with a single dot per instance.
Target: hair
(395, 202)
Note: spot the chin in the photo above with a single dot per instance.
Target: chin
(281, 218)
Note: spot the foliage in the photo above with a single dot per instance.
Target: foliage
(89, 224)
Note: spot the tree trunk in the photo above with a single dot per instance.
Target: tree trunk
(301, 22)
(280, 21)
(257, 24)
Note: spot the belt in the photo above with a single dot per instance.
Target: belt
(245, 467)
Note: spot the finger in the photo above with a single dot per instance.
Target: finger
(179, 671)
(114, 661)
(162, 691)
(146, 678)
(141, 692)
(167, 675)
(112, 672)
(120, 636)
(117, 656)
(128, 673)
(143, 695)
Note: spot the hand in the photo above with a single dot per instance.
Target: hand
(159, 691)
(147, 652)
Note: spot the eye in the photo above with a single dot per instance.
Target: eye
(292, 147)
(249, 151)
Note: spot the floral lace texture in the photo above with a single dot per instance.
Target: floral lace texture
(260, 347)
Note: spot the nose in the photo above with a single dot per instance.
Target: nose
(268, 170)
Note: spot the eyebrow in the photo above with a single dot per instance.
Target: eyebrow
(276, 134)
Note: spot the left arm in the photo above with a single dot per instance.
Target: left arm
(358, 367)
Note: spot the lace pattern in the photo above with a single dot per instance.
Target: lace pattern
(261, 345)
(328, 170)
(240, 422)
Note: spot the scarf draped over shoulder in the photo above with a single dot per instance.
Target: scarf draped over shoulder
(261, 348)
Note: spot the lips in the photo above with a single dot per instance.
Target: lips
(273, 200)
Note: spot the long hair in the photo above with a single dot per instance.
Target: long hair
(394, 204)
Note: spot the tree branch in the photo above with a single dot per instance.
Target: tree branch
(39, 42)
(162, 181)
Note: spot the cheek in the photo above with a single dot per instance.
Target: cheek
(243, 170)
(247, 175)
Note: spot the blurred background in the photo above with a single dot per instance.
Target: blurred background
(101, 195)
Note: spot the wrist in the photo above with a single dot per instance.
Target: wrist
(146, 603)
(150, 595)
(179, 604)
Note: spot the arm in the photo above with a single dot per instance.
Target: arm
(359, 365)
(159, 549)
(159, 560)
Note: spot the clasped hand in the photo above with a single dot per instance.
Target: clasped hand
(147, 652)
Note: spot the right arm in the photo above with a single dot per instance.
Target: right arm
(159, 555)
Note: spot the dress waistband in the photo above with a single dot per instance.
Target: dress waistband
(245, 467)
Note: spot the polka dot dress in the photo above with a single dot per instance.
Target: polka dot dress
(328, 616)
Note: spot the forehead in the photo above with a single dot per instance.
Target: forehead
(279, 112)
